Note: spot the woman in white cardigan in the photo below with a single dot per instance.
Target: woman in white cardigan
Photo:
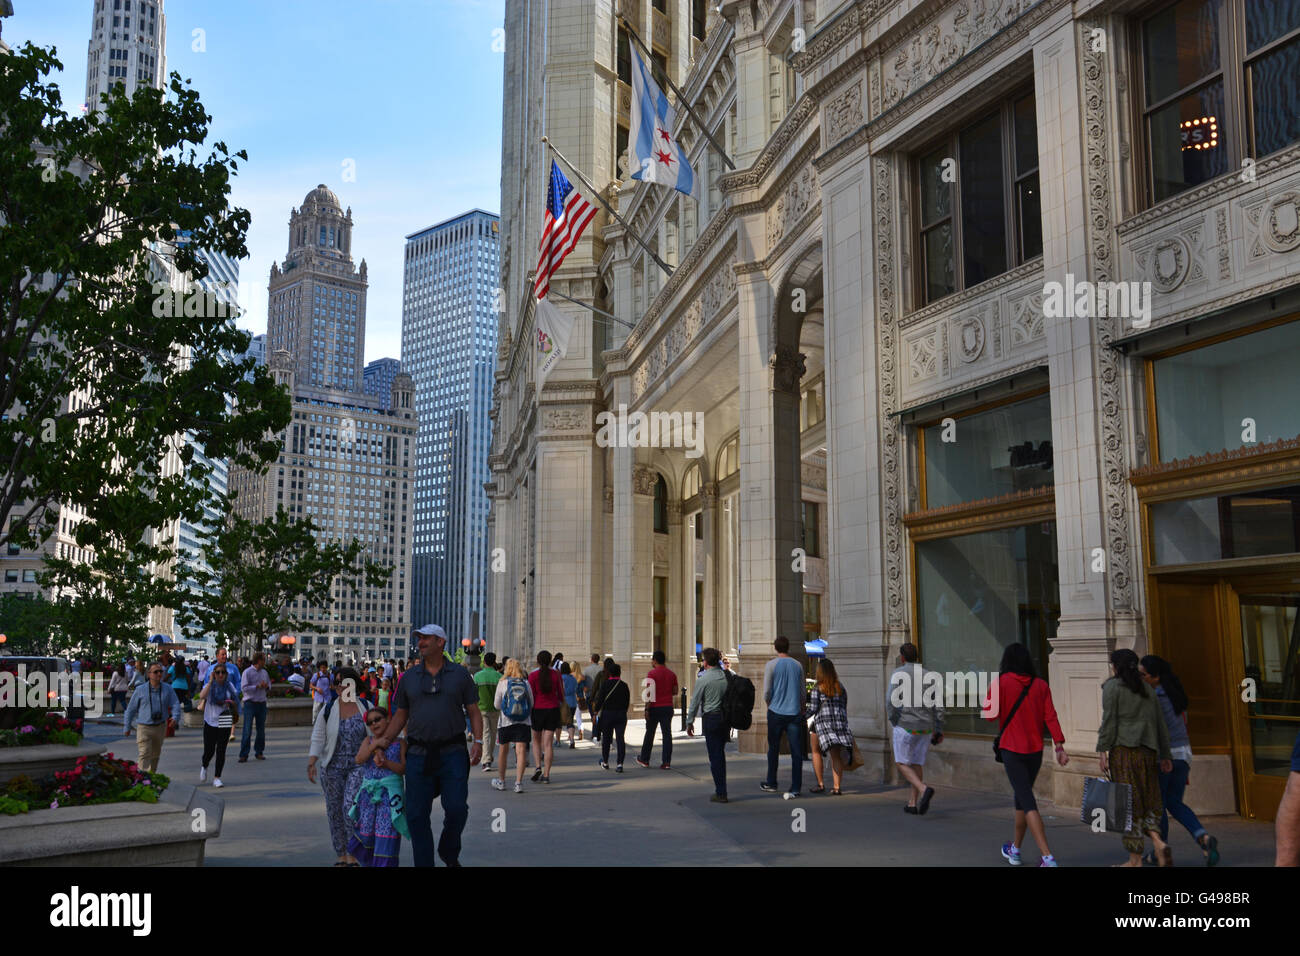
(336, 736)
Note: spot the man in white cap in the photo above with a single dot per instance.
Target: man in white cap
(431, 702)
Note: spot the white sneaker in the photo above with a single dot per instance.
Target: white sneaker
(487, 767)
(203, 774)
(498, 784)
(216, 782)
(519, 787)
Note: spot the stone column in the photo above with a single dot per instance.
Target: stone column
(709, 515)
(680, 562)
(634, 487)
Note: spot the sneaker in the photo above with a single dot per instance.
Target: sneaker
(717, 799)
(537, 774)
(643, 763)
(498, 784)
(1211, 848)
(791, 795)
(1047, 861)
(602, 765)
(203, 774)
(664, 766)
(216, 782)
(519, 787)
(767, 787)
(243, 760)
(487, 766)
(572, 745)
(1011, 853)
(618, 769)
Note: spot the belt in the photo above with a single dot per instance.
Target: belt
(437, 746)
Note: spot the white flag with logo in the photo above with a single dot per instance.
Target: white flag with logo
(553, 331)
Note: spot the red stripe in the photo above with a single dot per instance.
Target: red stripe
(560, 237)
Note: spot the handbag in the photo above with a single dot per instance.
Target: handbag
(1114, 800)
(855, 761)
(226, 721)
(566, 714)
(997, 741)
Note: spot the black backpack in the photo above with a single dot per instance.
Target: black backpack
(738, 702)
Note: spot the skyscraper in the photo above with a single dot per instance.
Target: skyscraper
(379, 376)
(127, 46)
(449, 339)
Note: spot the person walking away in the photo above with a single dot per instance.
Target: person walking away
(783, 692)
(321, 687)
(591, 672)
(548, 694)
(296, 680)
(218, 700)
(570, 687)
(434, 697)
(916, 725)
(1286, 827)
(1022, 705)
(485, 680)
(256, 682)
(1173, 700)
(659, 712)
(828, 712)
(378, 812)
(612, 702)
(513, 699)
(152, 706)
(201, 667)
(179, 676)
(582, 695)
(336, 736)
(118, 685)
(1133, 742)
(710, 685)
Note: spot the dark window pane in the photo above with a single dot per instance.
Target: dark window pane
(996, 452)
(624, 57)
(1187, 145)
(939, 277)
(1274, 88)
(1026, 136)
(1030, 206)
(983, 210)
(1269, 20)
(1181, 46)
(936, 195)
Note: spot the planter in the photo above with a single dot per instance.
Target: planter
(36, 762)
(172, 832)
(279, 713)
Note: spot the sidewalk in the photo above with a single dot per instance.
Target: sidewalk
(664, 818)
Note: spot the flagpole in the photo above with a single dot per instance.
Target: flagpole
(608, 208)
(588, 305)
(681, 97)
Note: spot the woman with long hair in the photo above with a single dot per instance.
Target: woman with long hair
(569, 685)
(337, 735)
(613, 701)
(1023, 709)
(1133, 742)
(378, 809)
(218, 698)
(828, 711)
(548, 694)
(1173, 708)
(514, 701)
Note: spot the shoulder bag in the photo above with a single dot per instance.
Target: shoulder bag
(997, 741)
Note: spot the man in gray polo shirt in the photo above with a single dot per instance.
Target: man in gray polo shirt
(431, 702)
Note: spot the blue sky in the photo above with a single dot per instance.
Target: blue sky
(408, 89)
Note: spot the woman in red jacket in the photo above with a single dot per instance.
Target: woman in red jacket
(1022, 705)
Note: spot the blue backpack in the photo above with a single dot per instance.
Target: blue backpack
(515, 702)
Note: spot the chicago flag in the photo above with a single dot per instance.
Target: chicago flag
(653, 150)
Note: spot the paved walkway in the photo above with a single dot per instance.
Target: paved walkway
(275, 817)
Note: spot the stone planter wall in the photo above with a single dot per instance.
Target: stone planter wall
(36, 762)
(279, 713)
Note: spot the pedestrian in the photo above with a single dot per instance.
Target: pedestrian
(582, 695)
(201, 671)
(916, 724)
(548, 694)
(570, 687)
(601, 676)
(220, 706)
(378, 811)
(152, 707)
(1022, 725)
(435, 696)
(513, 698)
(559, 659)
(336, 736)
(710, 685)
(321, 687)
(179, 676)
(783, 690)
(296, 680)
(388, 669)
(828, 711)
(486, 679)
(612, 702)
(659, 712)
(590, 673)
(1133, 742)
(385, 693)
(1173, 702)
(256, 682)
(118, 685)
(1286, 827)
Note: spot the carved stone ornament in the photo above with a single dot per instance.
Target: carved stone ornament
(790, 208)
(1167, 263)
(643, 480)
(886, 337)
(710, 491)
(674, 512)
(609, 500)
(844, 114)
(564, 419)
(970, 338)
(787, 365)
(1280, 228)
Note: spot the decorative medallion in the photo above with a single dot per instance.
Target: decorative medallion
(1168, 264)
(970, 338)
(1281, 226)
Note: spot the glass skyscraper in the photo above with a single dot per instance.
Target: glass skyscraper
(449, 339)
(377, 378)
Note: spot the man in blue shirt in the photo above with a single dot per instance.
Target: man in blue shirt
(783, 691)
(148, 711)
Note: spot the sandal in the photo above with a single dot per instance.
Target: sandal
(818, 789)
(837, 793)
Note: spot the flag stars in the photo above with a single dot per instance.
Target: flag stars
(664, 134)
(665, 158)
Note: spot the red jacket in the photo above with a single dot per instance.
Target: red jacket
(1024, 735)
(665, 686)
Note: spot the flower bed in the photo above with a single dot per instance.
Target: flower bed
(93, 780)
(286, 691)
(42, 727)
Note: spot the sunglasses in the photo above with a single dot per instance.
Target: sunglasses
(375, 721)
(159, 673)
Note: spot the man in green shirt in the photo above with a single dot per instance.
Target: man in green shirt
(707, 700)
(486, 677)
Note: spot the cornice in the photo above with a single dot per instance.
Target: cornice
(1000, 511)
(969, 385)
(685, 273)
(773, 148)
(1261, 461)
(987, 289)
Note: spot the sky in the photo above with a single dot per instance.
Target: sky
(408, 91)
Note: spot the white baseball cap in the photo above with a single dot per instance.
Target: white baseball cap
(433, 630)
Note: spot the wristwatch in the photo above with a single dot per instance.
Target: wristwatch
(478, 742)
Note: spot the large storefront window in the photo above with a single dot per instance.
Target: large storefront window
(1247, 524)
(989, 454)
(977, 593)
(1234, 393)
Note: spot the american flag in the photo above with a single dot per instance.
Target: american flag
(567, 215)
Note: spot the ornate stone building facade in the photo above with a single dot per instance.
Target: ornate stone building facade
(964, 243)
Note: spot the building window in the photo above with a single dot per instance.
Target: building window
(1218, 86)
(979, 202)
(812, 616)
(661, 506)
(810, 543)
(660, 612)
(624, 58)
(729, 459)
(698, 18)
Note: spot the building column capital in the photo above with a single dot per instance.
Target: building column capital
(788, 368)
(643, 480)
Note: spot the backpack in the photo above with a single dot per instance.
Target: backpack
(514, 703)
(738, 702)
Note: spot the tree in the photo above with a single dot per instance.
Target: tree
(29, 623)
(101, 366)
(257, 570)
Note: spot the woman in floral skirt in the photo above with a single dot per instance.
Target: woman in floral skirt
(378, 811)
